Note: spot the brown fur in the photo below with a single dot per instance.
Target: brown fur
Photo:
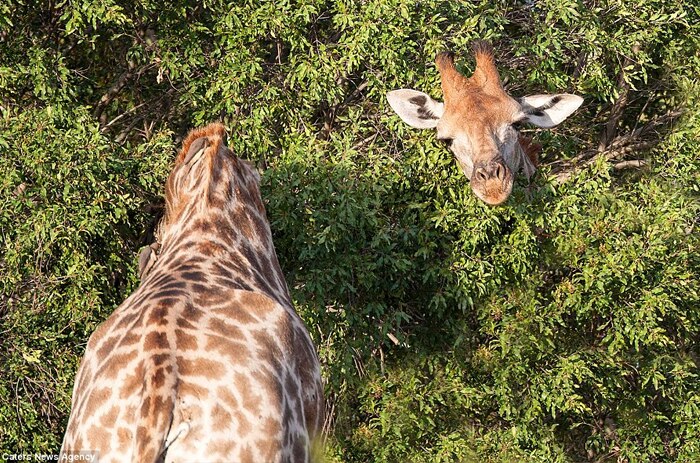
(174, 204)
(478, 121)
(181, 359)
(215, 132)
(531, 149)
(475, 107)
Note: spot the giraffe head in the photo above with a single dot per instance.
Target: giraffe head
(479, 122)
(208, 176)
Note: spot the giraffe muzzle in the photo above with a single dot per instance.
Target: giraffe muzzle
(492, 181)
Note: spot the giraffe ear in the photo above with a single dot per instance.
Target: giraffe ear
(195, 147)
(416, 108)
(549, 110)
(147, 257)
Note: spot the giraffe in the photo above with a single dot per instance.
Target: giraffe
(207, 361)
(479, 122)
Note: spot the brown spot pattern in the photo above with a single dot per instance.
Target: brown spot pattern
(209, 340)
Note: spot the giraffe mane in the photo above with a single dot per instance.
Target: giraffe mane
(214, 133)
(531, 148)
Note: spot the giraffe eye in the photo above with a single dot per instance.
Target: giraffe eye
(446, 141)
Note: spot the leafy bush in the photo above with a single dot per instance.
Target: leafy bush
(561, 327)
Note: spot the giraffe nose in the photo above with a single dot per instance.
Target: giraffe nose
(494, 169)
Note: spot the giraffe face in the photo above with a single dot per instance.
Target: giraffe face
(478, 127)
(478, 122)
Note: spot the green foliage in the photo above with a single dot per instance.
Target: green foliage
(72, 210)
(561, 327)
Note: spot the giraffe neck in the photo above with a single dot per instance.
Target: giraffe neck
(523, 157)
(232, 246)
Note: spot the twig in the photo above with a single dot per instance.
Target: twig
(631, 164)
(110, 123)
(560, 176)
(126, 131)
(111, 94)
(329, 118)
(618, 108)
(363, 142)
(622, 145)
(329, 420)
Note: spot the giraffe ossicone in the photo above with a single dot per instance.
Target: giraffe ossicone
(478, 122)
(207, 360)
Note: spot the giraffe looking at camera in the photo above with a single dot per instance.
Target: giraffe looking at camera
(207, 360)
(479, 122)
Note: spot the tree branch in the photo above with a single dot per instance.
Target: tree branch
(631, 164)
(618, 108)
(640, 139)
(110, 95)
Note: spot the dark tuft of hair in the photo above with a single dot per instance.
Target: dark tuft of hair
(482, 47)
(445, 57)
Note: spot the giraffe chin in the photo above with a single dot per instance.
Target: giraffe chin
(493, 192)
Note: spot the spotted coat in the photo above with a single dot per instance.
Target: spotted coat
(207, 360)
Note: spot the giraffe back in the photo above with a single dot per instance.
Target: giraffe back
(207, 360)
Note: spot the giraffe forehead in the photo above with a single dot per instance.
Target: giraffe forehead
(477, 114)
